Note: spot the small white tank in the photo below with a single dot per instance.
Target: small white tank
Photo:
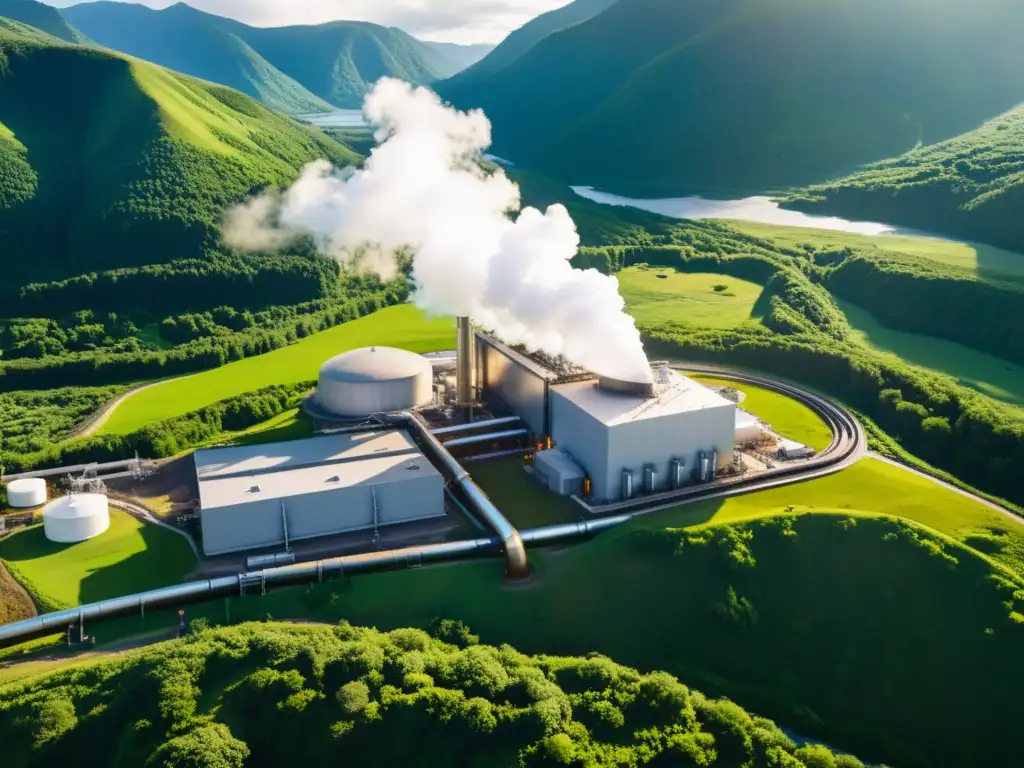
(27, 492)
(76, 517)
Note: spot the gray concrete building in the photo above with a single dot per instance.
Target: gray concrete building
(608, 432)
(261, 496)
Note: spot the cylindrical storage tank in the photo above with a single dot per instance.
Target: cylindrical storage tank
(627, 485)
(76, 517)
(372, 380)
(27, 492)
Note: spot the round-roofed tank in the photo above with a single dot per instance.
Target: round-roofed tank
(27, 492)
(372, 380)
(76, 517)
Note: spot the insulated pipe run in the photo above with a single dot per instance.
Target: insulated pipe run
(486, 437)
(473, 425)
(516, 565)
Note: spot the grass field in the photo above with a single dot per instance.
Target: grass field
(403, 326)
(688, 299)
(522, 500)
(785, 415)
(129, 557)
(981, 260)
(988, 375)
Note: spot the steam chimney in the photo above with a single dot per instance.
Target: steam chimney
(465, 373)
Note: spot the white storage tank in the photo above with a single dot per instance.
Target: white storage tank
(371, 380)
(76, 517)
(27, 492)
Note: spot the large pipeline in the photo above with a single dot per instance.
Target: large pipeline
(516, 565)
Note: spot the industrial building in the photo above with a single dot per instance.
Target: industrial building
(76, 517)
(647, 442)
(265, 496)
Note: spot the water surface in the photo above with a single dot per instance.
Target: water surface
(763, 210)
(343, 118)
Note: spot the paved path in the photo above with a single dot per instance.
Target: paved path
(950, 487)
(108, 408)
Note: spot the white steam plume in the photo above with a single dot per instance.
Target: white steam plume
(422, 188)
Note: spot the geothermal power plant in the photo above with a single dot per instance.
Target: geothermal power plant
(396, 427)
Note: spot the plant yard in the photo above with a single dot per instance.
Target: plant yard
(660, 296)
(786, 416)
(129, 557)
(403, 326)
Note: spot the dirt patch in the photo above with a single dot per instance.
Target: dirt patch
(165, 493)
(15, 602)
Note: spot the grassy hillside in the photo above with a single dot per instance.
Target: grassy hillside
(296, 69)
(661, 95)
(521, 40)
(43, 17)
(275, 694)
(108, 162)
(130, 556)
(971, 186)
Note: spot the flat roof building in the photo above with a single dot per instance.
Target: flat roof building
(611, 433)
(260, 496)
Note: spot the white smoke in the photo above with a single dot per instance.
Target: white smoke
(422, 188)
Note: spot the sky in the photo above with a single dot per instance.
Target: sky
(456, 21)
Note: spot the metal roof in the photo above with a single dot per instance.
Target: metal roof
(370, 364)
(240, 474)
(680, 395)
(282, 484)
(276, 457)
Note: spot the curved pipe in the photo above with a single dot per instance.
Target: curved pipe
(516, 564)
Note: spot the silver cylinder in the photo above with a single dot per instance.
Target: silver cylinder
(675, 469)
(650, 478)
(465, 373)
(627, 484)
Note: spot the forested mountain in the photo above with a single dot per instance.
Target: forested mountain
(111, 162)
(705, 95)
(527, 36)
(295, 69)
(458, 56)
(971, 186)
(43, 17)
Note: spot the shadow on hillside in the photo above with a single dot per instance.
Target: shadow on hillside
(164, 561)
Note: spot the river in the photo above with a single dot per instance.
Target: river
(343, 118)
(763, 210)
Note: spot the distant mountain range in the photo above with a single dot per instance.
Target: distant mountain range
(722, 96)
(293, 69)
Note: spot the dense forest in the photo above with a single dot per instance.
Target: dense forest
(971, 186)
(273, 694)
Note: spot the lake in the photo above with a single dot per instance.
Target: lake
(343, 118)
(763, 210)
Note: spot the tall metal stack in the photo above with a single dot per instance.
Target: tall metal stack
(465, 373)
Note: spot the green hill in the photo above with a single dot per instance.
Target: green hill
(275, 694)
(971, 186)
(108, 162)
(527, 36)
(43, 17)
(295, 69)
(713, 95)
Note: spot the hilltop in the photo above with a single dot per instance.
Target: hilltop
(527, 36)
(459, 55)
(971, 186)
(295, 69)
(109, 162)
(276, 694)
(663, 96)
(43, 17)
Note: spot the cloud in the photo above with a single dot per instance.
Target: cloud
(422, 188)
(464, 21)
